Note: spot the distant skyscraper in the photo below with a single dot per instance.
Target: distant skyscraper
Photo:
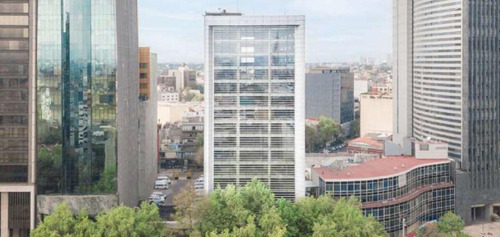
(446, 87)
(17, 111)
(87, 104)
(254, 111)
(330, 93)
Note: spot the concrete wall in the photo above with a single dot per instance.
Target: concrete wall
(127, 99)
(94, 204)
(402, 68)
(375, 114)
(148, 136)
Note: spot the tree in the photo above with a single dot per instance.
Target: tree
(252, 211)
(189, 206)
(246, 211)
(312, 139)
(328, 130)
(449, 225)
(355, 128)
(347, 220)
(120, 221)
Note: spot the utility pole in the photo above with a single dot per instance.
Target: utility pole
(404, 228)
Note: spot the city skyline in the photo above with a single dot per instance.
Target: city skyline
(336, 31)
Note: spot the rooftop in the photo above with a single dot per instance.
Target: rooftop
(367, 141)
(377, 168)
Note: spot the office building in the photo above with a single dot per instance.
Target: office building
(148, 134)
(375, 113)
(254, 102)
(87, 104)
(17, 111)
(184, 77)
(330, 93)
(446, 69)
(401, 192)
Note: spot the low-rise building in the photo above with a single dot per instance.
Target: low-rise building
(402, 192)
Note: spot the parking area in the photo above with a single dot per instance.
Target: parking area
(487, 229)
(176, 186)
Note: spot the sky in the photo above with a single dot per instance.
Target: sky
(336, 30)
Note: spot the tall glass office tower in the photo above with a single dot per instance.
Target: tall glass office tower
(446, 75)
(87, 77)
(254, 69)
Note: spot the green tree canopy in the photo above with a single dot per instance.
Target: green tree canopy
(449, 225)
(328, 129)
(119, 222)
(252, 211)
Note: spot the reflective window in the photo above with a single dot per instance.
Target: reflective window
(76, 97)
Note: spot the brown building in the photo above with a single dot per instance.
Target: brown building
(144, 73)
(17, 117)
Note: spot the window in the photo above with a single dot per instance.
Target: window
(143, 65)
(144, 85)
(143, 75)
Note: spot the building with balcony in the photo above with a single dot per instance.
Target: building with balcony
(254, 102)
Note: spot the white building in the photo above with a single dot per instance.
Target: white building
(446, 88)
(254, 112)
(375, 113)
(170, 97)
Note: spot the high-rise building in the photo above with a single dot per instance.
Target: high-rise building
(148, 134)
(254, 102)
(330, 93)
(17, 111)
(446, 69)
(87, 104)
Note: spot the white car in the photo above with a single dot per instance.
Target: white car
(156, 199)
(159, 194)
(164, 178)
(161, 184)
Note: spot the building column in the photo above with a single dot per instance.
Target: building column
(4, 215)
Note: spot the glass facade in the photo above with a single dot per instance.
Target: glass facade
(76, 97)
(14, 85)
(254, 106)
(420, 195)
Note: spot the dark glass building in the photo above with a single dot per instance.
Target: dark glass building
(87, 58)
(330, 93)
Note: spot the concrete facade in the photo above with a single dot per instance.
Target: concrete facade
(148, 135)
(330, 93)
(375, 113)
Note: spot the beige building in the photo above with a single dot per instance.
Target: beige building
(376, 113)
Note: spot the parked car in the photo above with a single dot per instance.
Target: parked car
(161, 184)
(161, 195)
(156, 199)
(198, 185)
(188, 174)
(164, 178)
